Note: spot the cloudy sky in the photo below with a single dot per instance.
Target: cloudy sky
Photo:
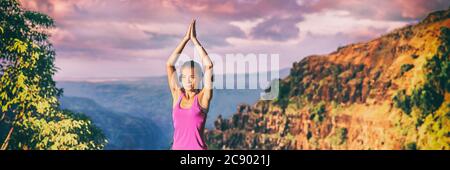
(133, 38)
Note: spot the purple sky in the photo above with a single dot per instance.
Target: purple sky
(133, 38)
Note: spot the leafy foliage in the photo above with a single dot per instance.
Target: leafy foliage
(434, 133)
(403, 101)
(340, 137)
(405, 68)
(318, 112)
(429, 97)
(30, 114)
(432, 112)
(410, 146)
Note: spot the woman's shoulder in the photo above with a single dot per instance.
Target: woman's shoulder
(177, 93)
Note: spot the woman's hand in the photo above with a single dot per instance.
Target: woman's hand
(193, 34)
(187, 36)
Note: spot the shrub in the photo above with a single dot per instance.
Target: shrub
(317, 112)
(340, 137)
(405, 68)
(402, 101)
(411, 146)
(427, 99)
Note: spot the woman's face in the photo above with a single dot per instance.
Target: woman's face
(190, 78)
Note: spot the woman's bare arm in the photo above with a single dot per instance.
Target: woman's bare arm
(208, 70)
(172, 77)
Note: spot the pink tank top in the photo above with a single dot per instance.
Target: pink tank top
(188, 126)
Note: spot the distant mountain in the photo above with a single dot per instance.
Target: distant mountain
(122, 131)
(146, 99)
(389, 93)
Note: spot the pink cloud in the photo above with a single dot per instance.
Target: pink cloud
(381, 9)
(419, 8)
(133, 30)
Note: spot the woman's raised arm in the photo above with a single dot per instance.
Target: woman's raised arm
(172, 77)
(208, 70)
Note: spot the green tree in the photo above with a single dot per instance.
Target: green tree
(30, 114)
(403, 101)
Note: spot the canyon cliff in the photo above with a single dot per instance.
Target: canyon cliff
(388, 93)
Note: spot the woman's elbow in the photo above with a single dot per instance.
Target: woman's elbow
(209, 66)
(169, 64)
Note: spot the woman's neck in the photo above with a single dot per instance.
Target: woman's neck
(190, 94)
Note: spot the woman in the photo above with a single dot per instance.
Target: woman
(190, 103)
